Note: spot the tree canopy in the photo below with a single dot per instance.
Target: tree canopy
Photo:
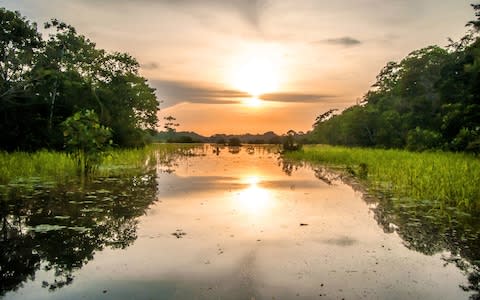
(43, 81)
(428, 100)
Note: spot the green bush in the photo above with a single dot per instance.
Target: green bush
(423, 139)
(86, 140)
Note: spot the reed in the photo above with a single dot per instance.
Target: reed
(443, 178)
(57, 167)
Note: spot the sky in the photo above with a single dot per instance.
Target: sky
(251, 66)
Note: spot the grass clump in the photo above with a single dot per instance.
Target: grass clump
(447, 179)
(59, 167)
(46, 165)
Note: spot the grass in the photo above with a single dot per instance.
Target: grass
(58, 167)
(446, 179)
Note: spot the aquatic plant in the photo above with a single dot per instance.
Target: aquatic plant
(57, 167)
(444, 178)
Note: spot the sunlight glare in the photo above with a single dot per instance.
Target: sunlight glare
(252, 180)
(252, 102)
(257, 71)
(254, 200)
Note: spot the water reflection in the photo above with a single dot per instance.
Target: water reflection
(426, 229)
(59, 231)
(254, 200)
(422, 226)
(231, 226)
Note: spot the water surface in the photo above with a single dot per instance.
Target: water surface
(237, 224)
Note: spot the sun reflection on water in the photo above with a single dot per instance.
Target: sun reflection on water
(254, 200)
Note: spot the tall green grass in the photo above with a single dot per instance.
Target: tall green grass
(446, 179)
(41, 165)
(58, 167)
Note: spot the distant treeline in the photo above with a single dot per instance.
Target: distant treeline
(429, 100)
(43, 81)
(269, 137)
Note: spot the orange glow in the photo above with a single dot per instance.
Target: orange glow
(253, 102)
(257, 71)
(254, 200)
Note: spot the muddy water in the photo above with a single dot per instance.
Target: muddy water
(228, 225)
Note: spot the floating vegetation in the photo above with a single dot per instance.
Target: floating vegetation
(61, 228)
(47, 227)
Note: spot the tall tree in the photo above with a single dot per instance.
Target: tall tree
(42, 83)
(19, 45)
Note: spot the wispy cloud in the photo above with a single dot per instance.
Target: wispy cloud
(150, 66)
(345, 41)
(248, 10)
(296, 97)
(175, 92)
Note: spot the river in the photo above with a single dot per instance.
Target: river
(233, 224)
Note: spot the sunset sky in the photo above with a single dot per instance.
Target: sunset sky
(210, 59)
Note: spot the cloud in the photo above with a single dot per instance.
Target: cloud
(248, 10)
(251, 10)
(150, 66)
(296, 97)
(342, 41)
(175, 92)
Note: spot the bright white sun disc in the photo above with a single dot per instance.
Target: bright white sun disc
(257, 72)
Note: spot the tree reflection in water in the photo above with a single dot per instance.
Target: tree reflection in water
(423, 226)
(428, 229)
(60, 230)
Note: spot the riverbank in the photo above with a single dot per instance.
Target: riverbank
(58, 167)
(445, 180)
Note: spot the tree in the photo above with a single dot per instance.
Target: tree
(170, 124)
(475, 23)
(19, 43)
(234, 142)
(86, 140)
(324, 116)
(43, 82)
(430, 99)
(289, 142)
(19, 46)
(171, 127)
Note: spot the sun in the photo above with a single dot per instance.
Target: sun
(256, 72)
(252, 102)
(256, 76)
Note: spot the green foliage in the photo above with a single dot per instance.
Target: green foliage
(19, 45)
(42, 165)
(476, 23)
(86, 140)
(290, 143)
(446, 179)
(429, 100)
(58, 167)
(184, 139)
(47, 80)
(467, 139)
(423, 139)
